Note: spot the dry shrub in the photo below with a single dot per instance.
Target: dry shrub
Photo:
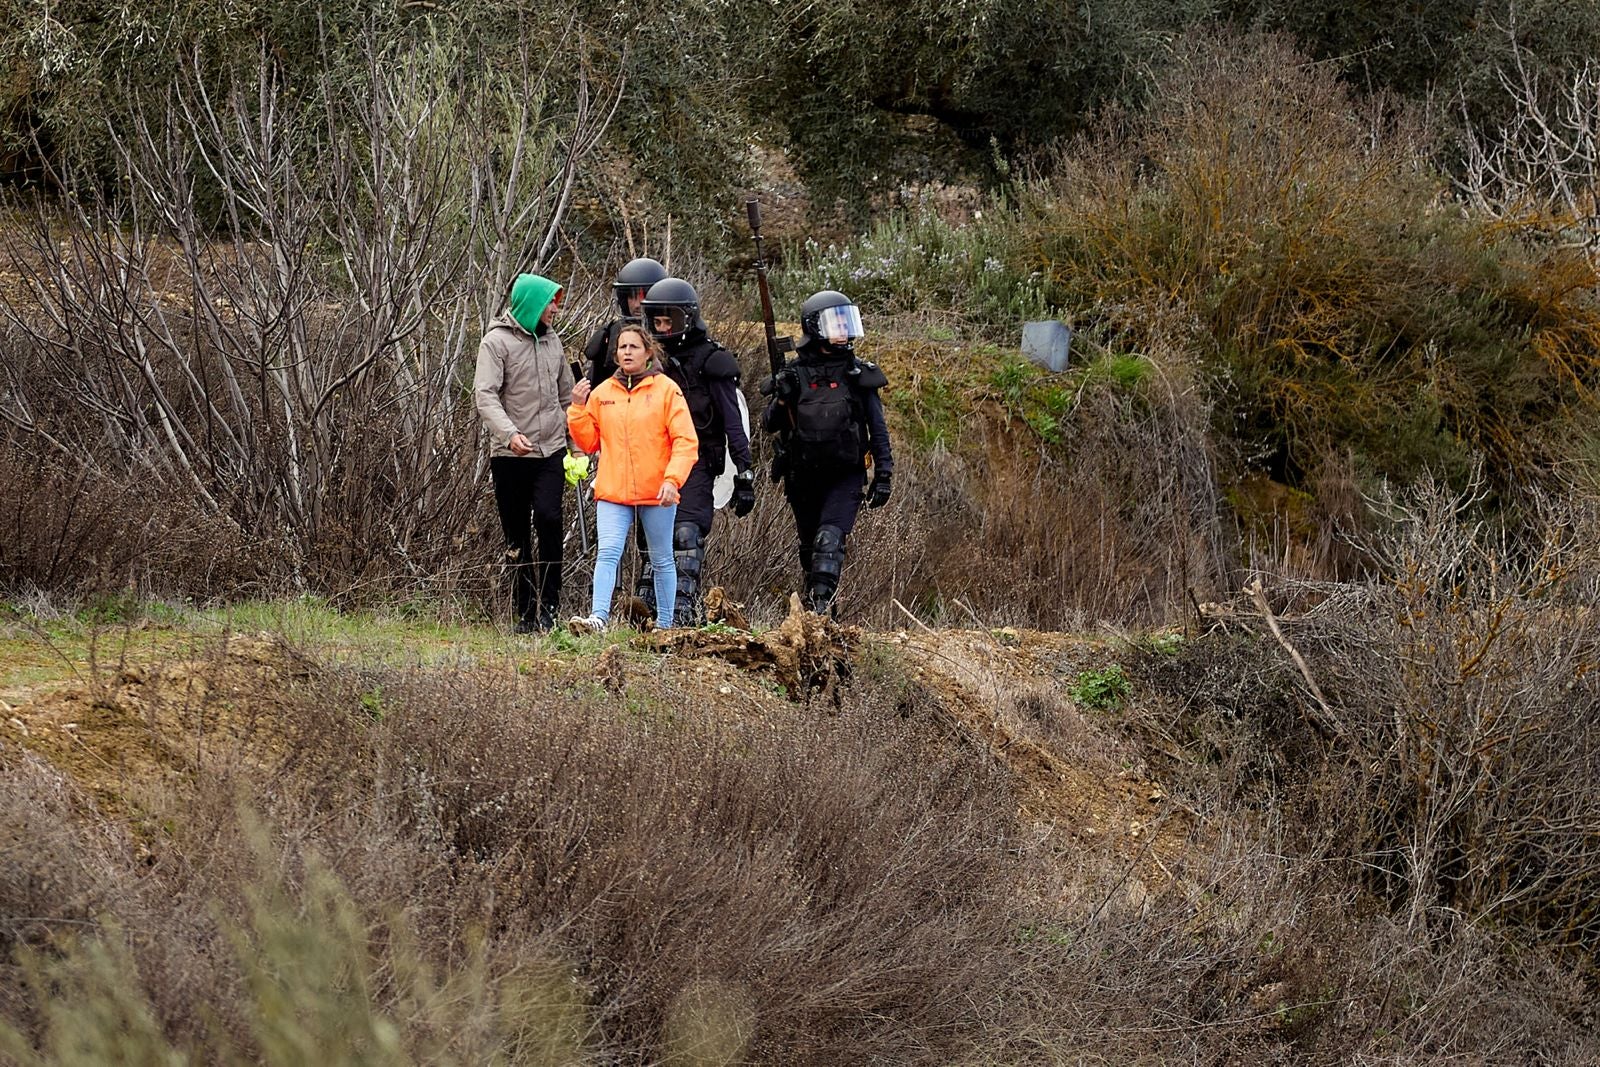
(55, 872)
(1252, 954)
(76, 527)
(461, 865)
(800, 889)
(1114, 516)
(285, 346)
(841, 884)
(1452, 744)
(1464, 689)
(1292, 234)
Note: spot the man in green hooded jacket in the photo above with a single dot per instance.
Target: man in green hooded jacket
(521, 389)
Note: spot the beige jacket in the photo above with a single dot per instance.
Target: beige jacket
(522, 385)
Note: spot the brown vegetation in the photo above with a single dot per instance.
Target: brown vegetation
(556, 862)
(1348, 815)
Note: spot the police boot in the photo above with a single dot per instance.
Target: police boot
(688, 550)
(822, 575)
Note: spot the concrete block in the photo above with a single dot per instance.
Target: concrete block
(1048, 344)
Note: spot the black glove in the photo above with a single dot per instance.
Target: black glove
(879, 493)
(785, 385)
(744, 492)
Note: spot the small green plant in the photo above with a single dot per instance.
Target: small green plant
(1101, 690)
(1006, 636)
(1120, 371)
(1011, 378)
(933, 412)
(1169, 643)
(1046, 425)
(1049, 933)
(111, 609)
(561, 640)
(372, 703)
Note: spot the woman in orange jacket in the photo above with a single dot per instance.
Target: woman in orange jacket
(640, 423)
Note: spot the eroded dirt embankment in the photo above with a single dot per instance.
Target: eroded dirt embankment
(152, 722)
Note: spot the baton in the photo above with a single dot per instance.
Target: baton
(583, 522)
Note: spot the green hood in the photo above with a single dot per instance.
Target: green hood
(530, 295)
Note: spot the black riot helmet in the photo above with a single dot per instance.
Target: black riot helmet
(831, 318)
(672, 309)
(634, 280)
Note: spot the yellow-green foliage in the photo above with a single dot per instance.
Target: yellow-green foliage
(919, 260)
(1294, 238)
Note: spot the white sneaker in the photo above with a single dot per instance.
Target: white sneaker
(586, 624)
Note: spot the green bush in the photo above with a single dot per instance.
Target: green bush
(917, 261)
(1285, 232)
(1102, 689)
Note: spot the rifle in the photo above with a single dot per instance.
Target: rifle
(776, 346)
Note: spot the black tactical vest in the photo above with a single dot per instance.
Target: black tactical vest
(687, 367)
(830, 425)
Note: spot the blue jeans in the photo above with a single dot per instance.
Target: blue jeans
(612, 523)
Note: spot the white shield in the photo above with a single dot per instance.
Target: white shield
(722, 487)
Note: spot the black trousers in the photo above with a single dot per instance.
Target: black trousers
(694, 499)
(823, 499)
(528, 492)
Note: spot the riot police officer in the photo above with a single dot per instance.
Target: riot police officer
(826, 412)
(708, 374)
(632, 282)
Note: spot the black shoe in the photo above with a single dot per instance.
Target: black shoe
(819, 600)
(541, 622)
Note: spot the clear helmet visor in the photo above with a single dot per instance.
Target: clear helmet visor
(629, 298)
(839, 325)
(667, 320)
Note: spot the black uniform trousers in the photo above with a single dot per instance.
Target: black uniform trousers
(694, 499)
(823, 499)
(528, 492)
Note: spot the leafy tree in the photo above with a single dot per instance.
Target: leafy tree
(1417, 47)
(875, 94)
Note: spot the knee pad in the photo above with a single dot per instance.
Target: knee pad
(827, 553)
(822, 576)
(687, 552)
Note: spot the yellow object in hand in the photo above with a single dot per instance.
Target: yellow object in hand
(576, 467)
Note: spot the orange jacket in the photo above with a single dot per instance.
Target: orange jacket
(645, 436)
